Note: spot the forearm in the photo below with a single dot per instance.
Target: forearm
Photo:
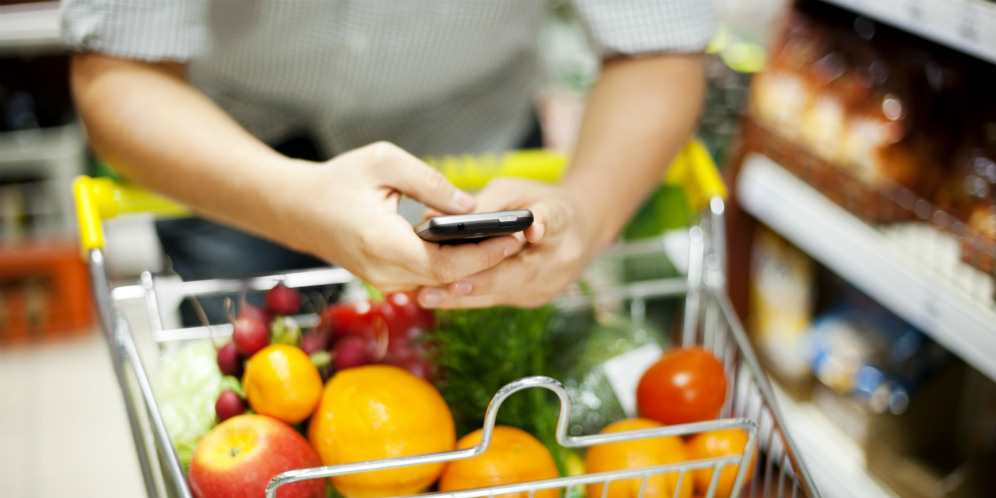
(157, 130)
(639, 115)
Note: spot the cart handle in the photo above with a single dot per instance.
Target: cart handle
(99, 199)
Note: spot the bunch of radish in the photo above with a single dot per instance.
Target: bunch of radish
(253, 329)
(389, 329)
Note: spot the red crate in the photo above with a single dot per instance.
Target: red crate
(44, 292)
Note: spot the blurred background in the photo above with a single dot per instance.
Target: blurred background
(858, 140)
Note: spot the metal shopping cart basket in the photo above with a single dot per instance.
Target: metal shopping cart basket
(708, 320)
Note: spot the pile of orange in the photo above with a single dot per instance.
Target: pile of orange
(282, 382)
(514, 456)
(665, 450)
(377, 412)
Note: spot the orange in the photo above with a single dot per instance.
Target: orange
(717, 444)
(634, 455)
(282, 382)
(375, 412)
(514, 456)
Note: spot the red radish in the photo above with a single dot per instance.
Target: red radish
(282, 300)
(229, 405)
(250, 335)
(230, 360)
(256, 313)
(353, 351)
(314, 340)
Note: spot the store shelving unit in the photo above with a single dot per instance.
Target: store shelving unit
(842, 462)
(912, 268)
(945, 298)
(968, 26)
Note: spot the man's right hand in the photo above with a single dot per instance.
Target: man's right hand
(346, 210)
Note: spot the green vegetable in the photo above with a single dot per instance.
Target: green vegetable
(596, 403)
(186, 387)
(484, 349)
(285, 330)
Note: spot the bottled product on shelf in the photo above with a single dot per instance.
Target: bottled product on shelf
(891, 127)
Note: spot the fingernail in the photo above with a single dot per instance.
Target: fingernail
(461, 288)
(540, 230)
(463, 200)
(430, 298)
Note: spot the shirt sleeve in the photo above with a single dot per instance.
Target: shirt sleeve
(149, 30)
(635, 27)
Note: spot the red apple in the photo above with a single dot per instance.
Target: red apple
(239, 456)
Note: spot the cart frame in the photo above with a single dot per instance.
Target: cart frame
(708, 320)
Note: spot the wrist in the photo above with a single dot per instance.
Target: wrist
(598, 211)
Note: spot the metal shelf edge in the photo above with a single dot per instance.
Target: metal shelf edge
(968, 26)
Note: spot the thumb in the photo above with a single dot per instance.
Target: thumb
(549, 218)
(404, 172)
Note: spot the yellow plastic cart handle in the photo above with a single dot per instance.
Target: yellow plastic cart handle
(693, 169)
(99, 199)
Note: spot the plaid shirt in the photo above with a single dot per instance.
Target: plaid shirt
(433, 76)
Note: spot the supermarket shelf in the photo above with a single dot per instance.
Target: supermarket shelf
(953, 307)
(968, 26)
(842, 470)
(32, 26)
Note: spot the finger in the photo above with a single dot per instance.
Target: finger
(431, 213)
(402, 171)
(549, 218)
(502, 193)
(500, 285)
(449, 263)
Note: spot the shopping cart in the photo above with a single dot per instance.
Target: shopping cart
(708, 320)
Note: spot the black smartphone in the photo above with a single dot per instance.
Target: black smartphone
(459, 228)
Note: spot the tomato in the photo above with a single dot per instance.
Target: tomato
(394, 329)
(718, 444)
(685, 385)
(360, 318)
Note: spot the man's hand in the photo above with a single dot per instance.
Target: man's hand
(563, 239)
(638, 117)
(346, 211)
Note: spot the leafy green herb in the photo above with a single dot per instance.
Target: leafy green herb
(484, 349)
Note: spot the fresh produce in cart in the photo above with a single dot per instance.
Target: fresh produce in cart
(715, 444)
(282, 382)
(514, 456)
(381, 411)
(380, 378)
(634, 455)
(243, 453)
(685, 385)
